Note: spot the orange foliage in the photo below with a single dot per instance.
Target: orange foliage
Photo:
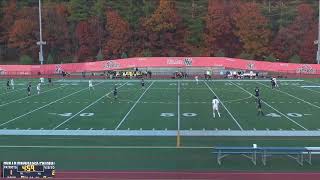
(251, 28)
(118, 35)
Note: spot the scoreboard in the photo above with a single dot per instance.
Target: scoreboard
(34, 169)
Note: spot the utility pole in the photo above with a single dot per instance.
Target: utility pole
(40, 43)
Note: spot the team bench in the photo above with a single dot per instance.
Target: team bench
(297, 153)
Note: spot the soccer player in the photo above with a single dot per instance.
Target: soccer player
(115, 93)
(12, 83)
(260, 112)
(275, 82)
(196, 78)
(38, 87)
(29, 89)
(215, 106)
(8, 85)
(50, 81)
(90, 85)
(272, 83)
(142, 83)
(42, 80)
(257, 91)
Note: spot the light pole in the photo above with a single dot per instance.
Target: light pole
(40, 43)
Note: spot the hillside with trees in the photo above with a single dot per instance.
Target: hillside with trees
(91, 30)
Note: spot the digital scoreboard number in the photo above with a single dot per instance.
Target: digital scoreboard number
(14, 169)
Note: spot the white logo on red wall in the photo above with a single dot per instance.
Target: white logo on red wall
(306, 69)
(2, 71)
(251, 66)
(58, 68)
(185, 61)
(111, 64)
(188, 61)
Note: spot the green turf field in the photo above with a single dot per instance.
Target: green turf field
(79, 128)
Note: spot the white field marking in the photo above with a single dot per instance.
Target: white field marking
(43, 106)
(312, 90)
(293, 96)
(275, 109)
(134, 105)
(85, 108)
(234, 119)
(110, 147)
(241, 99)
(178, 99)
(12, 91)
(29, 96)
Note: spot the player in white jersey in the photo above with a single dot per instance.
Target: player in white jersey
(42, 80)
(275, 82)
(12, 83)
(215, 106)
(196, 78)
(38, 87)
(90, 85)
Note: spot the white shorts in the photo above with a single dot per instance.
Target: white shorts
(38, 89)
(215, 108)
(90, 85)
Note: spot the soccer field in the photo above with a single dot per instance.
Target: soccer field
(67, 122)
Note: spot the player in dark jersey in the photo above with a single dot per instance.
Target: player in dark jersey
(142, 83)
(257, 91)
(29, 89)
(50, 81)
(115, 93)
(259, 107)
(8, 85)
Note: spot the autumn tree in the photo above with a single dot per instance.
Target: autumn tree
(165, 33)
(219, 34)
(289, 39)
(99, 20)
(8, 13)
(86, 35)
(118, 35)
(308, 49)
(56, 31)
(252, 29)
(24, 32)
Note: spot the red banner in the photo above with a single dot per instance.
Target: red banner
(227, 63)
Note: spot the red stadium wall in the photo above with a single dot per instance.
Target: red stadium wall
(227, 63)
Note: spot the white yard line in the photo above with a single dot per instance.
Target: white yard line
(234, 119)
(311, 90)
(30, 96)
(292, 96)
(273, 108)
(12, 91)
(134, 105)
(110, 147)
(43, 106)
(67, 120)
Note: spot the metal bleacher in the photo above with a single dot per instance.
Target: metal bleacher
(300, 154)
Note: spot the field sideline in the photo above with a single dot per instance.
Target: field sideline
(144, 122)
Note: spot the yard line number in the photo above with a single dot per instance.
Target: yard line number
(70, 114)
(275, 115)
(183, 114)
